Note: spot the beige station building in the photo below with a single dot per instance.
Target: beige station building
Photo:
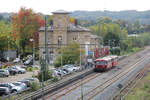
(62, 32)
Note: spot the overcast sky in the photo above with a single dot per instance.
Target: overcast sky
(48, 6)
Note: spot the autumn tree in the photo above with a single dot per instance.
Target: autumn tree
(25, 24)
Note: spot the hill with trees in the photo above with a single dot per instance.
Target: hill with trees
(130, 15)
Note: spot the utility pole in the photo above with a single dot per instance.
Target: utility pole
(8, 49)
(80, 47)
(42, 71)
(46, 41)
(82, 87)
(44, 60)
(33, 51)
(61, 56)
(80, 50)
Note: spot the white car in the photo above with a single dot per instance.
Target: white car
(70, 68)
(16, 60)
(57, 73)
(28, 61)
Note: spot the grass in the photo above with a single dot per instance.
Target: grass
(141, 90)
(129, 51)
(29, 69)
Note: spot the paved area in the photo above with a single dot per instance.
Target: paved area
(17, 77)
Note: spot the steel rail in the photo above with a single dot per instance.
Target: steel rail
(136, 82)
(77, 84)
(47, 88)
(113, 79)
(54, 98)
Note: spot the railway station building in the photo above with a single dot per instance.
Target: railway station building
(62, 32)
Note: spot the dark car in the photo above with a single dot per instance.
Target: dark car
(12, 70)
(4, 91)
(3, 60)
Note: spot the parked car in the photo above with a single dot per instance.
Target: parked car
(4, 91)
(66, 71)
(27, 82)
(12, 87)
(3, 60)
(12, 70)
(19, 69)
(16, 60)
(20, 84)
(57, 73)
(70, 68)
(61, 71)
(32, 80)
(4, 73)
(29, 56)
(29, 61)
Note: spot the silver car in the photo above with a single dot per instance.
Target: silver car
(12, 87)
(4, 73)
(22, 85)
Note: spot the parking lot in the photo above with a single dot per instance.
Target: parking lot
(17, 77)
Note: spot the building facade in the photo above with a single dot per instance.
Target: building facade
(62, 33)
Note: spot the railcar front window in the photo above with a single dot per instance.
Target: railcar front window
(100, 63)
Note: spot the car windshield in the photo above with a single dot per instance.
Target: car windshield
(16, 84)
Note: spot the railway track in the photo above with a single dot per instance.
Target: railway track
(100, 88)
(73, 86)
(89, 95)
(123, 92)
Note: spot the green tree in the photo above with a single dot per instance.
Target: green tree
(69, 55)
(4, 33)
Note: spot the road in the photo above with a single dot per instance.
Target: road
(102, 86)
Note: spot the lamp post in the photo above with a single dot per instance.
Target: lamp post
(33, 55)
(8, 50)
(80, 48)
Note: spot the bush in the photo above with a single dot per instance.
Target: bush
(55, 79)
(57, 62)
(5, 66)
(115, 51)
(29, 69)
(48, 75)
(34, 68)
(34, 86)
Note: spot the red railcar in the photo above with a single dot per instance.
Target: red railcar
(114, 60)
(105, 63)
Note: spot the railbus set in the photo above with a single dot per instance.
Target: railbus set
(105, 63)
